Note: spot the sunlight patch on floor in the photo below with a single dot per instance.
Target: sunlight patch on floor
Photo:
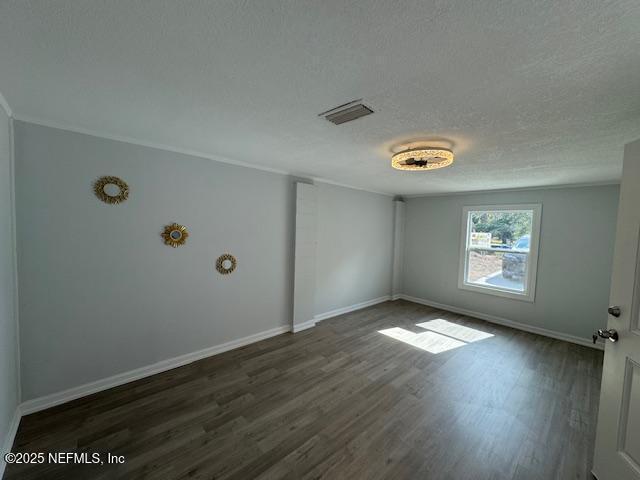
(431, 342)
(440, 337)
(450, 329)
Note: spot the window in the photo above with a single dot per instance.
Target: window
(499, 253)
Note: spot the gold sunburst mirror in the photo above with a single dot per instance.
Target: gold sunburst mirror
(111, 190)
(175, 235)
(226, 263)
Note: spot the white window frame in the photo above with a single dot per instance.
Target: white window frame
(529, 292)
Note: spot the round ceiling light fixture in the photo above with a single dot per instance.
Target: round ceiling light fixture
(425, 158)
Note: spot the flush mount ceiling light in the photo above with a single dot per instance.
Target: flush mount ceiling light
(426, 158)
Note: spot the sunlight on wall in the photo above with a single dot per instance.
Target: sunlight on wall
(441, 337)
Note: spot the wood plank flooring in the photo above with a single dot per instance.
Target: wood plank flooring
(344, 401)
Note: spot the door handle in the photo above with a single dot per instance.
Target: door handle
(615, 311)
(611, 334)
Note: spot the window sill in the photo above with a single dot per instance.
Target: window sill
(497, 292)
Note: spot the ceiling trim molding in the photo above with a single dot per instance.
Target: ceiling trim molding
(352, 187)
(229, 161)
(183, 151)
(141, 143)
(5, 105)
(516, 189)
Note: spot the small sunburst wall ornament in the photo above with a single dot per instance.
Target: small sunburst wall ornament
(175, 235)
(226, 263)
(111, 190)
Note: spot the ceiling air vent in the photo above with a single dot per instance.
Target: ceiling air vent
(347, 112)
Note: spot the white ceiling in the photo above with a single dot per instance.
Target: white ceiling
(530, 93)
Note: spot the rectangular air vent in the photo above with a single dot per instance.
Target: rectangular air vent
(347, 112)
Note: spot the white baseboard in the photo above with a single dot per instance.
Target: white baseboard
(505, 322)
(10, 438)
(396, 296)
(351, 308)
(42, 403)
(339, 311)
(298, 327)
(48, 401)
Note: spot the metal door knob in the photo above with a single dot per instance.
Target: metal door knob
(611, 334)
(615, 311)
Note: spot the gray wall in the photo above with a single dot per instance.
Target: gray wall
(355, 247)
(9, 390)
(574, 266)
(100, 292)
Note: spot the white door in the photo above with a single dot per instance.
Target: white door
(617, 453)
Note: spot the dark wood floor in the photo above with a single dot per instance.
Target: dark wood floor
(344, 401)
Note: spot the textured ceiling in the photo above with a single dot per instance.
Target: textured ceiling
(528, 93)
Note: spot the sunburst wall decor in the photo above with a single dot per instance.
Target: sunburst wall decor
(111, 190)
(226, 263)
(175, 235)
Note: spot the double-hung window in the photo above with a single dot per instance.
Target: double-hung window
(499, 251)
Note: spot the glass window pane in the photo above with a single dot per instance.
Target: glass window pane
(498, 245)
(501, 270)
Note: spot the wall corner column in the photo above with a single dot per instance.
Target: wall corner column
(304, 284)
(398, 248)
